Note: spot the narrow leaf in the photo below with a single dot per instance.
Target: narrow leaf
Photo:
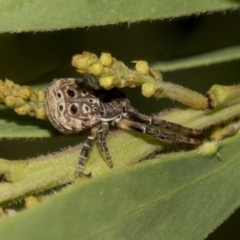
(55, 14)
(204, 59)
(177, 196)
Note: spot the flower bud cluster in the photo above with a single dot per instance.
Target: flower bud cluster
(113, 73)
(22, 99)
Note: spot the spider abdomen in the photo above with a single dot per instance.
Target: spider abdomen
(71, 106)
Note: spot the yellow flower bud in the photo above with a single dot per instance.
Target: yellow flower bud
(106, 82)
(106, 59)
(23, 110)
(24, 92)
(40, 113)
(80, 62)
(148, 89)
(142, 67)
(10, 100)
(96, 69)
(31, 201)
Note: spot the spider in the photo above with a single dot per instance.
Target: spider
(73, 105)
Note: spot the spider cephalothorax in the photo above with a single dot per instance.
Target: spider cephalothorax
(73, 105)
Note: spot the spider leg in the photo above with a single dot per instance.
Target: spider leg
(134, 115)
(154, 132)
(87, 146)
(101, 141)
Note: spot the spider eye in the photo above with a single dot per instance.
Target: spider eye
(73, 109)
(60, 107)
(90, 100)
(59, 95)
(70, 93)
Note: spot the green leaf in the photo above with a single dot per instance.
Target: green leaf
(15, 126)
(46, 15)
(204, 59)
(181, 195)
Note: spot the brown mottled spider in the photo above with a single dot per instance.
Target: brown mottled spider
(73, 105)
